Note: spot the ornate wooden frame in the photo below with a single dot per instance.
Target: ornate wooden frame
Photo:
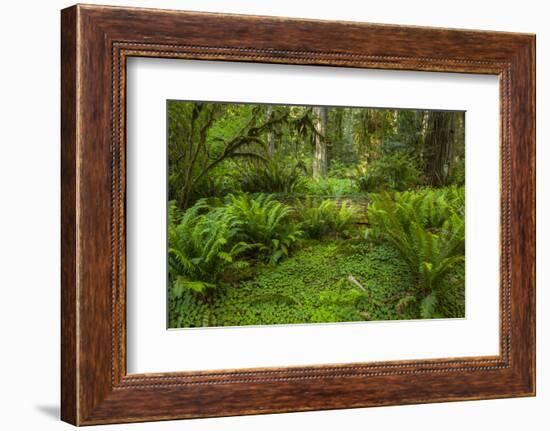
(95, 43)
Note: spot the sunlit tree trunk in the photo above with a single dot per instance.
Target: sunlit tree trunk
(320, 149)
(395, 120)
(424, 125)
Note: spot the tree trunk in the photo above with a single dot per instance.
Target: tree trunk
(424, 126)
(395, 120)
(347, 137)
(320, 150)
(270, 136)
(438, 148)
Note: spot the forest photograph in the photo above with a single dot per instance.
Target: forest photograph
(288, 214)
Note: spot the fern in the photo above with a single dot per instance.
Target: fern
(266, 223)
(428, 306)
(322, 218)
(396, 171)
(201, 246)
(428, 230)
(334, 187)
(273, 176)
(404, 303)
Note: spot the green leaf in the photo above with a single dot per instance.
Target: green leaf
(427, 306)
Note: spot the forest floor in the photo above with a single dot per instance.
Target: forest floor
(341, 277)
(315, 285)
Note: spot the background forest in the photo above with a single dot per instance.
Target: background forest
(284, 214)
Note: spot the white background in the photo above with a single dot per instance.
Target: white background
(29, 220)
(151, 348)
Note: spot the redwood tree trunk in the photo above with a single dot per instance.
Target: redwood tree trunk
(424, 125)
(270, 136)
(438, 148)
(320, 150)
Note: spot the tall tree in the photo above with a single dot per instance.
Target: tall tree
(320, 114)
(439, 147)
(424, 124)
(335, 133)
(270, 134)
(193, 154)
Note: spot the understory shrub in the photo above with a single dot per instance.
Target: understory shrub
(325, 217)
(458, 174)
(334, 187)
(396, 171)
(272, 176)
(266, 223)
(217, 184)
(201, 246)
(427, 228)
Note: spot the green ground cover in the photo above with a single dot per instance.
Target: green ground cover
(300, 215)
(312, 286)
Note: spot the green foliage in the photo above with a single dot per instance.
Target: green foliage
(253, 238)
(405, 303)
(204, 136)
(311, 286)
(334, 187)
(427, 228)
(394, 171)
(428, 306)
(341, 169)
(326, 217)
(458, 174)
(187, 310)
(220, 183)
(266, 223)
(201, 247)
(271, 176)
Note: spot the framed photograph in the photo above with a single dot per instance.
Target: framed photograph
(265, 215)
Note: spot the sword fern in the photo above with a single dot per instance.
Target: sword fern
(428, 230)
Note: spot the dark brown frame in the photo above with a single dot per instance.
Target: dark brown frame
(95, 43)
